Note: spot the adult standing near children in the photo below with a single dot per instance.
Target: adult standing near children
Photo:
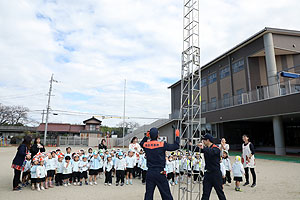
(135, 147)
(223, 146)
(156, 161)
(37, 147)
(102, 145)
(248, 160)
(213, 174)
(18, 161)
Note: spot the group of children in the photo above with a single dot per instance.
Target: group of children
(237, 170)
(84, 167)
(177, 164)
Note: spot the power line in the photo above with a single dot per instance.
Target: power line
(106, 116)
(21, 96)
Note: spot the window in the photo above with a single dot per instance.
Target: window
(226, 102)
(203, 82)
(238, 66)
(297, 88)
(213, 103)
(224, 72)
(239, 93)
(92, 127)
(212, 129)
(282, 90)
(212, 78)
(203, 106)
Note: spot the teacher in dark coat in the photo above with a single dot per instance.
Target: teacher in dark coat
(18, 161)
(37, 147)
(102, 145)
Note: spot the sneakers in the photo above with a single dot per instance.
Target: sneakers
(32, 187)
(80, 184)
(38, 187)
(86, 183)
(238, 189)
(69, 184)
(117, 184)
(42, 188)
(122, 184)
(74, 183)
(109, 184)
(245, 184)
(130, 181)
(95, 183)
(126, 182)
(91, 183)
(65, 185)
(17, 189)
(105, 184)
(253, 185)
(50, 184)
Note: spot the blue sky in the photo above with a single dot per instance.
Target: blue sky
(91, 46)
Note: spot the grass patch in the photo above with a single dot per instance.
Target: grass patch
(294, 159)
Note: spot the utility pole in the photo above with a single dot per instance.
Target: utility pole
(48, 108)
(124, 114)
(43, 116)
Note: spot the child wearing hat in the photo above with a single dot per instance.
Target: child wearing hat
(130, 163)
(170, 166)
(50, 164)
(59, 170)
(33, 176)
(227, 164)
(41, 174)
(198, 167)
(67, 172)
(76, 170)
(238, 172)
(120, 169)
(26, 172)
(83, 169)
(94, 166)
(101, 164)
(144, 168)
(108, 166)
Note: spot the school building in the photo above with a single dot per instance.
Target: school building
(243, 92)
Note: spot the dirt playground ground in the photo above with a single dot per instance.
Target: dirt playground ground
(275, 180)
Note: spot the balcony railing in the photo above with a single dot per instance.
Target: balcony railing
(262, 93)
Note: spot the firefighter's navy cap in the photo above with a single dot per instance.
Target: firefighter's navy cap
(153, 133)
(208, 137)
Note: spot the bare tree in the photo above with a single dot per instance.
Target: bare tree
(4, 114)
(13, 115)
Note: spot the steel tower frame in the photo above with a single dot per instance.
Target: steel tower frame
(190, 109)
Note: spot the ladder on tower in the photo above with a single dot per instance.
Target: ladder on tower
(190, 109)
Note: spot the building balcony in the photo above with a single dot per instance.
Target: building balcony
(259, 94)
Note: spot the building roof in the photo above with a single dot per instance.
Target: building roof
(244, 43)
(92, 120)
(58, 127)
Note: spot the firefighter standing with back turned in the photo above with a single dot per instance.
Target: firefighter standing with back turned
(156, 161)
(212, 175)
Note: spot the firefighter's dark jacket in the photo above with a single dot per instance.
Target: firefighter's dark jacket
(155, 152)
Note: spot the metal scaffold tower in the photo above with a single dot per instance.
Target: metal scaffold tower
(190, 110)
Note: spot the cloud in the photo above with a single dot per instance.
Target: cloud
(91, 46)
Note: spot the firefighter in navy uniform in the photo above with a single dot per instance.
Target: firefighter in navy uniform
(212, 174)
(156, 160)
